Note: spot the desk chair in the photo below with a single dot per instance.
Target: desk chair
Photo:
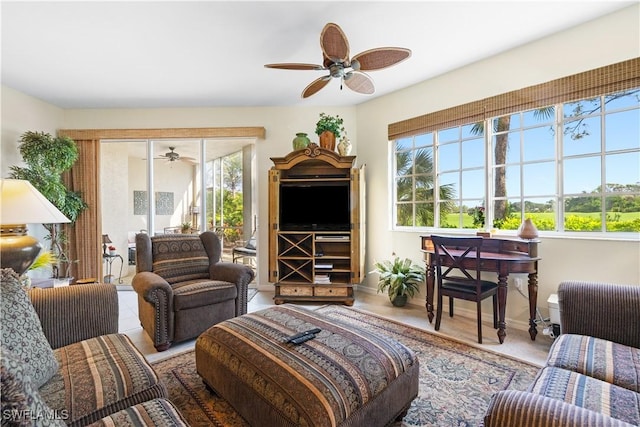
(458, 276)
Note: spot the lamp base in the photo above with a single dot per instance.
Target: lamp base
(17, 249)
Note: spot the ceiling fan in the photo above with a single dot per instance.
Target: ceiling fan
(335, 54)
(172, 156)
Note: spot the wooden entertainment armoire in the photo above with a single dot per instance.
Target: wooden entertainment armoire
(319, 261)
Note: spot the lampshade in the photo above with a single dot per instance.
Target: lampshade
(22, 204)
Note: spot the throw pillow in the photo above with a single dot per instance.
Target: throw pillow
(22, 405)
(251, 244)
(22, 332)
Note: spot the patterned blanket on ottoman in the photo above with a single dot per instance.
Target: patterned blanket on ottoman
(343, 377)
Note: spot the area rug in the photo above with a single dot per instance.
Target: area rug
(456, 379)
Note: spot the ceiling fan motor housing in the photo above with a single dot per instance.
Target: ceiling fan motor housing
(336, 70)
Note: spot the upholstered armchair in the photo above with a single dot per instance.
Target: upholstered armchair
(183, 286)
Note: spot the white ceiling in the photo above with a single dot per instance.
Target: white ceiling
(118, 54)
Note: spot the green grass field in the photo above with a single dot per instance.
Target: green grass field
(627, 221)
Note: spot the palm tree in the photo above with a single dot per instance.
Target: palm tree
(500, 127)
(416, 173)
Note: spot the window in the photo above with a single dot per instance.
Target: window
(571, 167)
(601, 163)
(524, 167)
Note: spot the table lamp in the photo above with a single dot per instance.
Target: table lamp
(22, 204)
(105, 241)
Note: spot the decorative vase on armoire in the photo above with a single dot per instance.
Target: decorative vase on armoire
(301, 141)
(527, 230)
(344, 147)
(328, 140)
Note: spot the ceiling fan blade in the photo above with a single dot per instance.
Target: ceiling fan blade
(295, 66)
(315, 86)
(382, 57)
(334, 43)
(359, 82)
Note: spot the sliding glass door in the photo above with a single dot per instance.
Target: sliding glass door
(175, 186)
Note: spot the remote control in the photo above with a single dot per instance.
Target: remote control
(302, 334)
(303, 338)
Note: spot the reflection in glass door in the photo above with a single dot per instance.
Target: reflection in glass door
(176, 186)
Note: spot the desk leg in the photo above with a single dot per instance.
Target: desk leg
(502, 304)
(430, 285)
(533, 305)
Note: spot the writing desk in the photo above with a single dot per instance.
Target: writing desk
(501, 256)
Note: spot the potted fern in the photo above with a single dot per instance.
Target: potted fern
(400, 278)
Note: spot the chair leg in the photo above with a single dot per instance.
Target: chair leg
(479, 310)
(495, 311)
(439, 312)
(450, 307)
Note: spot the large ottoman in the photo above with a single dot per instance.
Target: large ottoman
(345, 376)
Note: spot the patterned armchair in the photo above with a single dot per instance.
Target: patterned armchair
(184, 288)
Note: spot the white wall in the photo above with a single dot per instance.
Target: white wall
(20, 113)
(608, 40)
(114, 176)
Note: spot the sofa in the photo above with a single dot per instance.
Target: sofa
(592, 373)
(63, 361)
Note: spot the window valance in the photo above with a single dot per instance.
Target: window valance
(608, 79)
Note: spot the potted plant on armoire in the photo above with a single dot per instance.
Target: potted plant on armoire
(46, 159)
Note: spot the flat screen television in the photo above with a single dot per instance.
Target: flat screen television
(314, 206)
